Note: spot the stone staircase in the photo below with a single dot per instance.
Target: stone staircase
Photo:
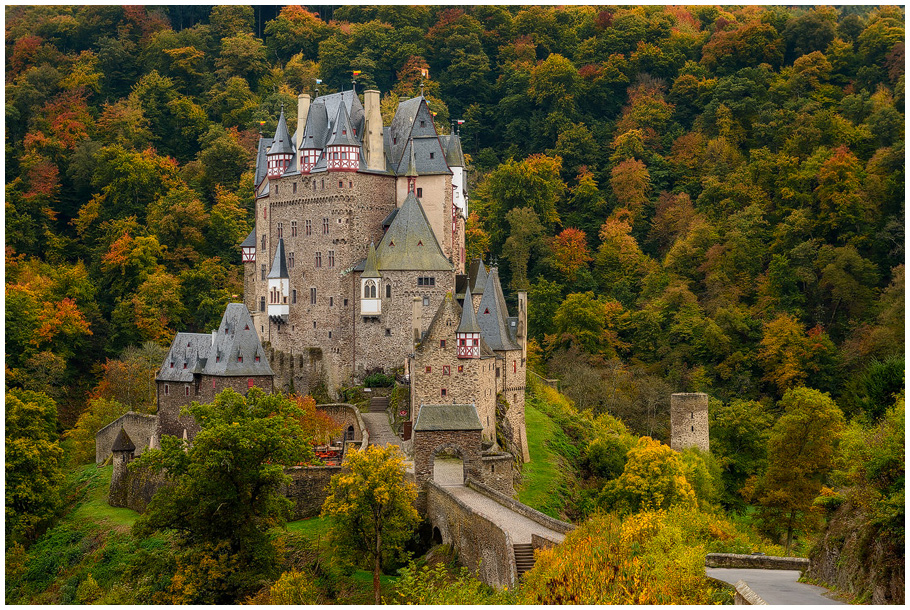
(379, 404)
(524, 558)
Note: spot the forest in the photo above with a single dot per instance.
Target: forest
(697, 199)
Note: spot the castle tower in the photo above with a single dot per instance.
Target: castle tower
(248, 255)
(122, 451)
(282, 152)
(343, 147)
(467, 335)
(689, 421)
(370, 281)
(279, 286)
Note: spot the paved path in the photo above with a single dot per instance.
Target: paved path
(775, 586)
(519, 527)
(380, 430)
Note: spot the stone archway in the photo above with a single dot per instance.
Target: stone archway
(427, 444)
(449, 466)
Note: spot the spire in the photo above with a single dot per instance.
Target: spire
(412, 163)
(342, 133)
(282, 143)
(279, 263)
(371, 269)
(468, 319)
(123, 442)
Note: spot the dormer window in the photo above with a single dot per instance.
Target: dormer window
(423, 123)
(432, 155)
(239, 358)
(394, 140)
(184, 365)
(256, 359)
(172, 365)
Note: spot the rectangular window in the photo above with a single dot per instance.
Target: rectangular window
(293, 296)
(293, 228)
(309, 227)
(264, 272)
(256, 359)
(167, 390)
(461, 368)
(442, 343)
(388, 332)
(419, 192)
(312, 296)
(172, 365)
(318, 259)
(213, 384)
(290, 260)
(426, 301)
(261, 303)
(340, 184)
(280, 230)
(325, 226)
(429, 369)
(239, 358)
(184, 365)
(446, 370)
(295, 188)
(432, 155)
(330, 334)
(423, 123)
(186, 390)
(345, 302)
(331, 258)
(331, 301)
(443, 391)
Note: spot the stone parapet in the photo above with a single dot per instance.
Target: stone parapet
(522, 509)
(764, 562)
(139, 427)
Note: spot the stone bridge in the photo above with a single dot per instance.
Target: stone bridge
(495, 536)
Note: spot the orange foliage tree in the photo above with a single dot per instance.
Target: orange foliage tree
(571, 250)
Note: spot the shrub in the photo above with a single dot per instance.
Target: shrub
(379, 380)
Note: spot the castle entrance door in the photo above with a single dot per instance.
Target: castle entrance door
(448, 467)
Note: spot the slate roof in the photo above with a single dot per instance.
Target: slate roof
(477, 276)
(279, 263)
(468, 322)
(262, 166)
(370, 269)
(387, 221)
(409, 244)
(452, 145)
(282, 142)
(123, 442)
(323, 115)
(450, 306)
(187, 349)
(447, 417)
(236, 336)
(492, 315)
(406, 137)
(342, 134)
(250, 241)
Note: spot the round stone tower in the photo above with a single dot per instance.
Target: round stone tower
(689, 421)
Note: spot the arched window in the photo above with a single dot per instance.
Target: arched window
(369, 290)
(388, 291)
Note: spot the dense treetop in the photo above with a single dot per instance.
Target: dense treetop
(697, 198)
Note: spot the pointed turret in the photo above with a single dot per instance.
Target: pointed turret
(123, 443)
(370, 297)
(279, 286)
(467, 334)
(282, 150)
(492, 315)
(343, 147)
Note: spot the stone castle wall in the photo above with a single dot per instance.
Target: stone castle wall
(511, 383)
(180, 395)
(689, 421)
(140, 428)
(497, 472)
(466, 443)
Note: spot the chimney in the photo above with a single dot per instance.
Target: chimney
(372, 137)
(303, 109)
(416, 317)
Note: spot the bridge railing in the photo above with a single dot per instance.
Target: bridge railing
(522, 509)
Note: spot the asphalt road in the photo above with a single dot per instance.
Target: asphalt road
(776, 587)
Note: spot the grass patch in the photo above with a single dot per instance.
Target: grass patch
(311, 528)
(91, 485)
(544, 475)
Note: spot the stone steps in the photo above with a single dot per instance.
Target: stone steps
(379, 404)
(524, 557)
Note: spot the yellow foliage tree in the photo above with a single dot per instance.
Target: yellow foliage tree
(654, 478)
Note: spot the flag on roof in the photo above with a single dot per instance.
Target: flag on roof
(425, 73)
(356, 72)
(460, 121)
(318, 81)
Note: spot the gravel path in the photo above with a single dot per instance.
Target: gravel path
(519, 527)
(774, 586)
(380, 430)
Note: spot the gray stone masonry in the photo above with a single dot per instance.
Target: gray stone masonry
(466, 443)
(765, 562)
(689, 421)
(140, 428)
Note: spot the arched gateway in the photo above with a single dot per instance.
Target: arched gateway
(446, 429)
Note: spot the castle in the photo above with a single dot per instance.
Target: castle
(356, 265)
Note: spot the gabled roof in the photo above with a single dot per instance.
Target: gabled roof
(123, 442)
(407, 137)
(447, 417)
(262, 166)
(449, 309)
(236, 336)
(323, 114)
(370, 269)
(250, 241)
(279, 263)
(342, 134)
(492, 315)
(187, 349)
(282, 142)
(468, 322)
(477, 275)
(410, 244)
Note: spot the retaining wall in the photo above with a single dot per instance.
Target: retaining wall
(482, 546)
(496, 471)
